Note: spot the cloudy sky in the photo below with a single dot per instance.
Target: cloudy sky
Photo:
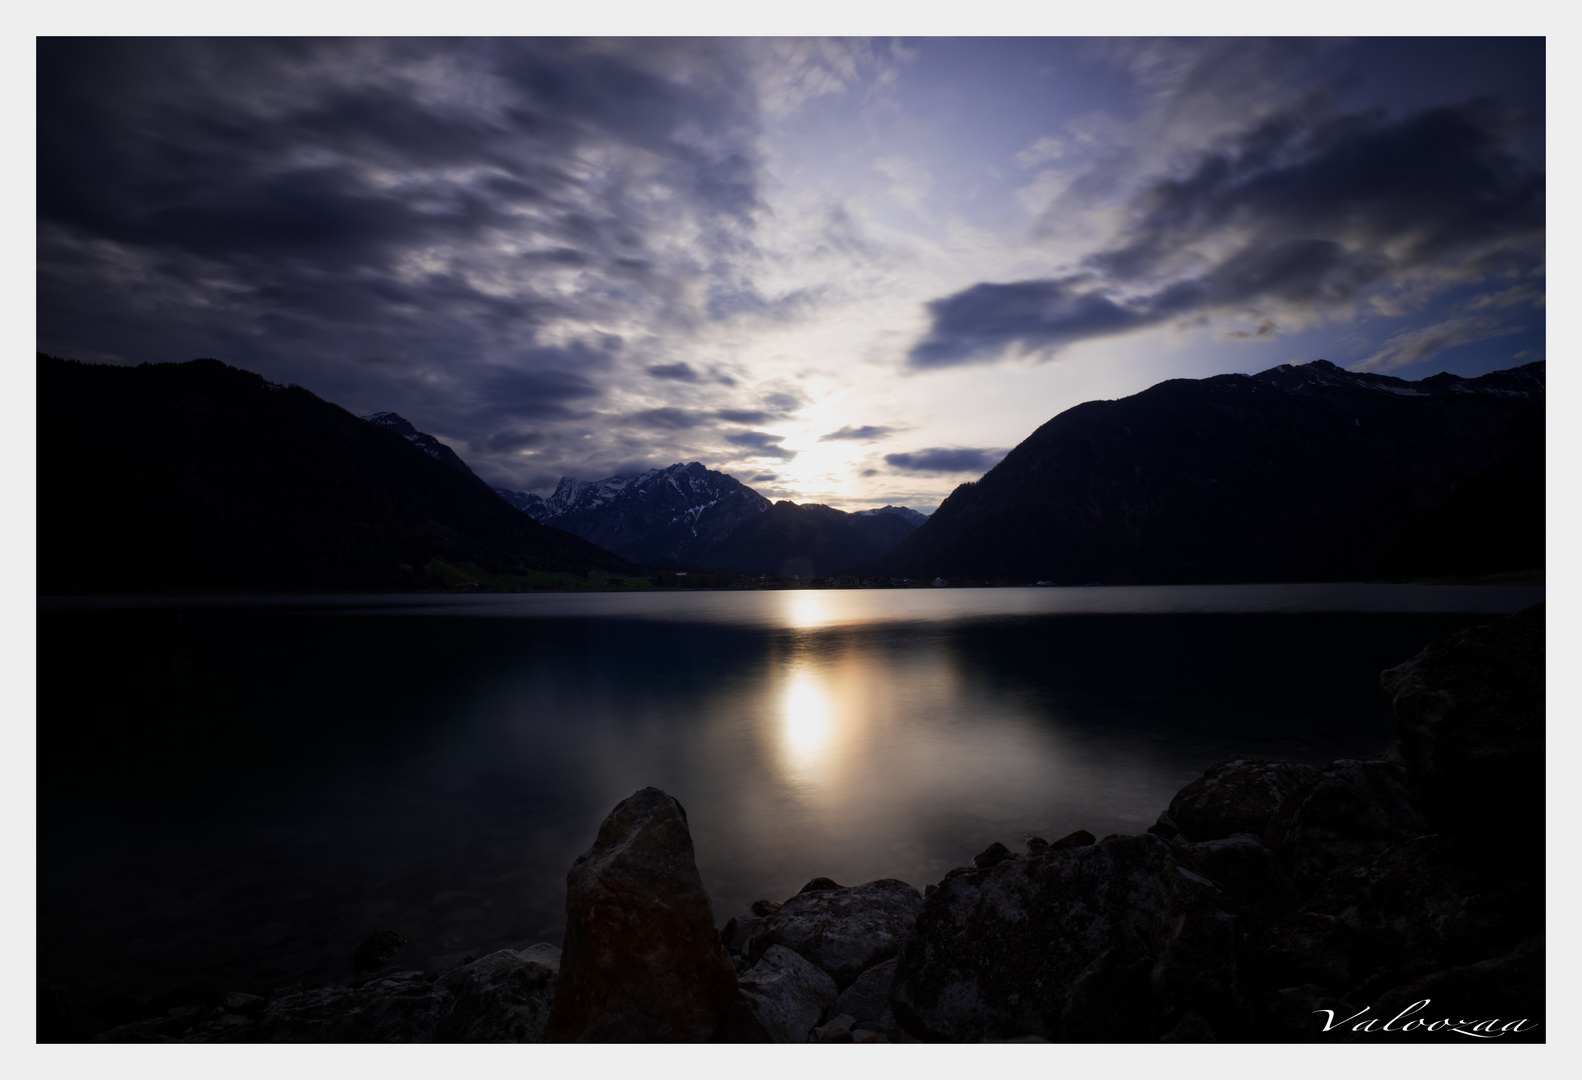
(845, 271)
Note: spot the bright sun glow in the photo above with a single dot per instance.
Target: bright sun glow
(807, 609)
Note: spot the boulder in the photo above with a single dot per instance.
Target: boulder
(867, 1002)
(378, 950)
(402, 1008)
(1236, 795)
(1080, 838)
(1470, 713)
(642, 961)
(1112, 998)
(997, 953)
(1247, 874)
(1420, 906)
(1311, 949)
(844, 931)
(993, 855)
(738, 931)
(502, 998)
(781, 998)
(178, 1024)
(1347, 813)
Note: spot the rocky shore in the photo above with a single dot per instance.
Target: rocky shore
(1271, 902)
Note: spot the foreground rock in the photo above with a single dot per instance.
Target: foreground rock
(1470, 712)
(643, 961)
(407, 1007)
(844, 931)
(1237, 795)
(998, 952)
(504, 997)
(1422, 905)
(1347, 813)
(781, 999)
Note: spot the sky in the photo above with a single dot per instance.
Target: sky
(846, 271)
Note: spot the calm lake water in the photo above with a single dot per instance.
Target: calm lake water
(243, 790)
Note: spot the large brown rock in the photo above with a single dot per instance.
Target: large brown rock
(1237, 795)
(642, 960)
(1470, 713)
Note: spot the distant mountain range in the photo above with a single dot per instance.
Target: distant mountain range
(1298, 473)
(201, 477)
(687, 515)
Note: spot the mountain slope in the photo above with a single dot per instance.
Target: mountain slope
(422, 440)
(1299, 473)
(198, 476)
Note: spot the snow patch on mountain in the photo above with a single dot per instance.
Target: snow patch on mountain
(422, 440)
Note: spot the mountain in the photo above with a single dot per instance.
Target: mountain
(531, 505)
(806, 539)
(905, 513)
(1299, 473)
(660, 515)
(693, 516)
(422, 440)
(202, 477)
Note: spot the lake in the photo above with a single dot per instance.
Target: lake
(241, 790)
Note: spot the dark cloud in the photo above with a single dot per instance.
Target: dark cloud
(744, 416)
(681, 372)
(506, 442)
(763, 478)
(502, 390)
(866, 433)
(399, 223)
(666, 417)
(939, 459)
(784, 401)
(1296, 216)
(762, 444)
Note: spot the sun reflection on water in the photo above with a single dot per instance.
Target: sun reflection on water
(808, 725)
(806, 609)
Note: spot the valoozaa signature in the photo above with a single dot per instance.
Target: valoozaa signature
(1476, 1029)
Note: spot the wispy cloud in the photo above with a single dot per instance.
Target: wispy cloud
(1293, 218)
(939, 459)
(1410, 346)
(865, 433)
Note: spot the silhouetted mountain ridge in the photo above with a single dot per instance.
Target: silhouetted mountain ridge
(1299, 473)
(202, 477)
